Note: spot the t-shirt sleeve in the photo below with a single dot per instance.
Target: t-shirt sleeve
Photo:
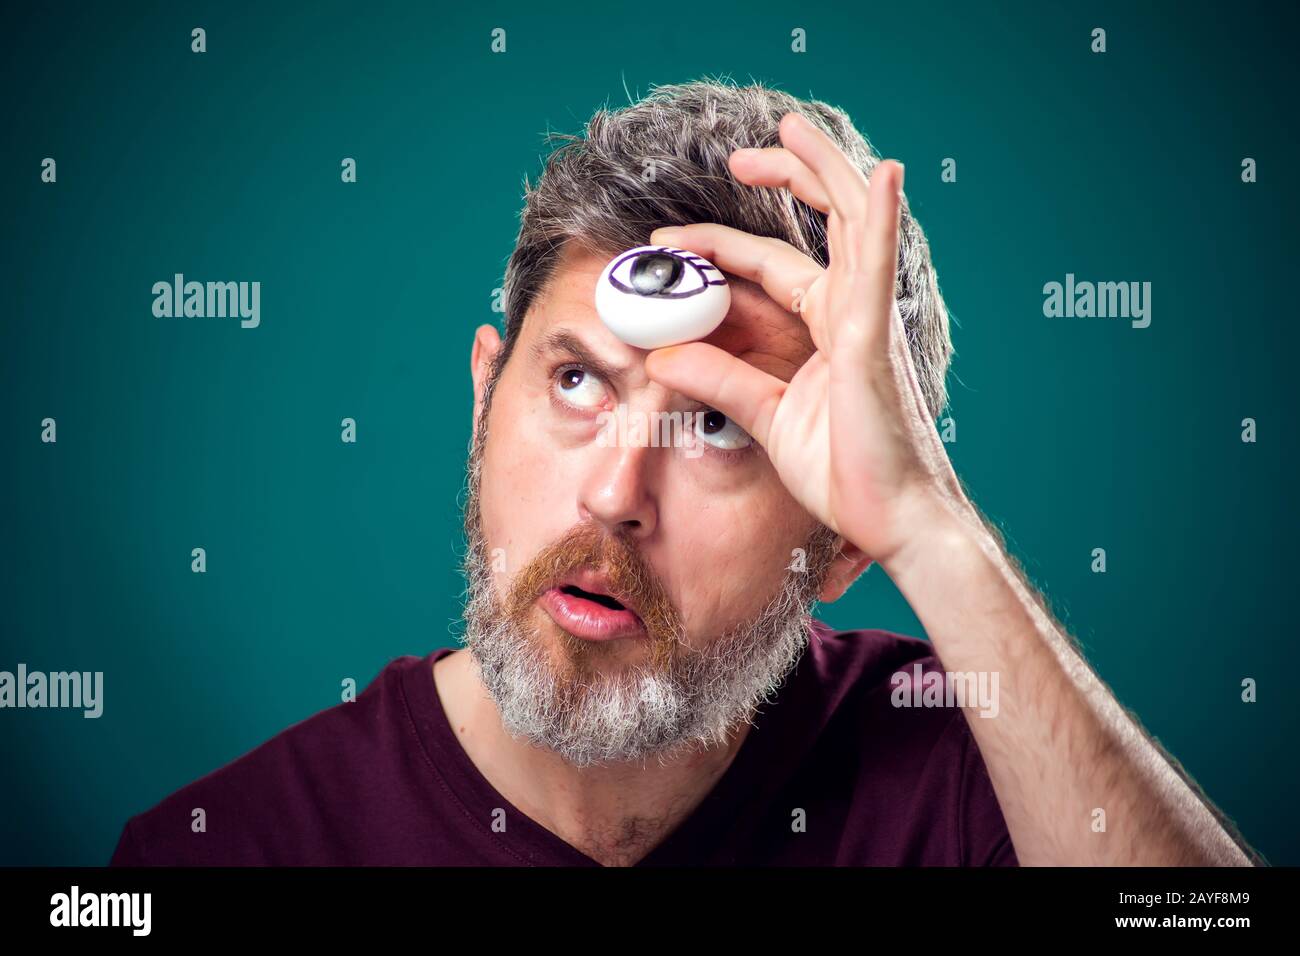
(982, 829)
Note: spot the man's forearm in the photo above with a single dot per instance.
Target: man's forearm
(1061, 746)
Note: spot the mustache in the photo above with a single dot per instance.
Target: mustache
(588, 546)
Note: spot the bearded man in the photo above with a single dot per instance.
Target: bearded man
(643, 682)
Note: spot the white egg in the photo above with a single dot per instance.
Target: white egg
(654, 296)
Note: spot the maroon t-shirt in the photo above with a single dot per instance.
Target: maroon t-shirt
(383, 780)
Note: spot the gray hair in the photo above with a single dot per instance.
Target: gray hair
(594, 189)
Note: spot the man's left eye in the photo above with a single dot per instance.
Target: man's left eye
(579, 387)
(721, 432)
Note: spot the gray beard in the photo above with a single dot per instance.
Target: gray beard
(697, 701)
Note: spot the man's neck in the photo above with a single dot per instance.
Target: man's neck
(614, 813)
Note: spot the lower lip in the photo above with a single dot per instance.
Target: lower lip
(589, 620)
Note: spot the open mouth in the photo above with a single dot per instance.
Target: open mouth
(591, 613)
(604, 600)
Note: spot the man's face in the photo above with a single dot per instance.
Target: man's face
(609, 570)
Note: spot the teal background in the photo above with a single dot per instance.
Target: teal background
(327, 560)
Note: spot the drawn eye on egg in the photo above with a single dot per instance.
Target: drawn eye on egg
(655, 296)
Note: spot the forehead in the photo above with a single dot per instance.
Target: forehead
(756, 329)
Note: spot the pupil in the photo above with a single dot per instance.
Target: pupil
(572, 378)
(714, 422)
(655, 272)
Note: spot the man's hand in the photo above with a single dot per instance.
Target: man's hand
(849, 435)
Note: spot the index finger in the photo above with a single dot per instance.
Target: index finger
(845, 184)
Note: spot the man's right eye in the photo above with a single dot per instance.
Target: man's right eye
(575, 385)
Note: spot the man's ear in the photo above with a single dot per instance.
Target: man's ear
(487, 343)
(844, 570)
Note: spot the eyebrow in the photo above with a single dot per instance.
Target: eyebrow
(563, 340)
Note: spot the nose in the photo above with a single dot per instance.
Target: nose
(615, 491)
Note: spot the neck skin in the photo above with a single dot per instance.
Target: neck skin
(616, 813)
